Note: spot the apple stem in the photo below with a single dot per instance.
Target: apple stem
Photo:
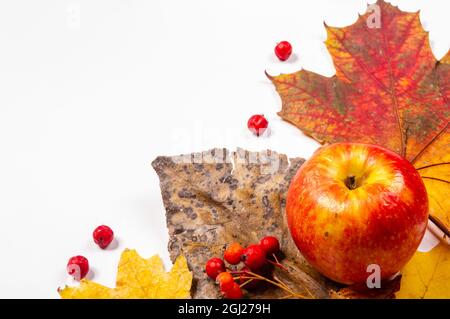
(350, 182)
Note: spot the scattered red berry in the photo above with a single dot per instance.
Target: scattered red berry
(233, 253)
(270, 245)
(283, 50)
(254, 257)
(225, 281)
(214, 267)
(234, 293)
(103, 236)
(78, 267)
(257, 124)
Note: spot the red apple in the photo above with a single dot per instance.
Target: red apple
(352, 205)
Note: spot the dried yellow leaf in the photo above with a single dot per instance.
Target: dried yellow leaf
(427, 275)
(138, 278)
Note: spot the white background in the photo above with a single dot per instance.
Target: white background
(92, 91)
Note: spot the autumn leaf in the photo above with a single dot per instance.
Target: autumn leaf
(138, 278)
(389, 89)
(216, 197)
(427, 275)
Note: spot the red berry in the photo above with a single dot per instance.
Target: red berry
(257, 124)
(283, 50)
(270, 245)
(103, 236)
(225, 281)
(254, 257)
(78, 267)
(234, 293)
(214, 267)
(233, 253)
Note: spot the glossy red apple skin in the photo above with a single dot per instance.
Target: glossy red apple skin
(340, 231)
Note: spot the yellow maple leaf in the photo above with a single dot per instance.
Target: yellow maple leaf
(427, 275)
(138, 278)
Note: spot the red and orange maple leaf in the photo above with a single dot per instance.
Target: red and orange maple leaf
(389, 89)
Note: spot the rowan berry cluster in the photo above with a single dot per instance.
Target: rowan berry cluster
(254, 258)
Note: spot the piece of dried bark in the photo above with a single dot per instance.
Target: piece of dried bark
(217, 197)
